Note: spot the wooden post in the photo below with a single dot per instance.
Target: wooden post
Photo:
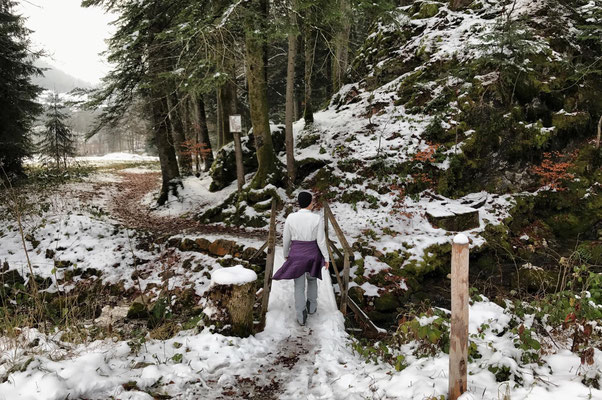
(269, 265)
(344, 292)
(236, 128)
(458, 338)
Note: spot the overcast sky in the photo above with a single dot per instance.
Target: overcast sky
(72, 36)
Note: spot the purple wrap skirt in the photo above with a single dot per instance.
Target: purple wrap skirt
(304, 256)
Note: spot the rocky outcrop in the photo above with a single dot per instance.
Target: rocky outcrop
(453, 217)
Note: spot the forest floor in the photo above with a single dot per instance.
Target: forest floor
(106, 224)
(128, 194)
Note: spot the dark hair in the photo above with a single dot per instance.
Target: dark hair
(304, 199)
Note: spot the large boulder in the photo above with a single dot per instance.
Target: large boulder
(452, 217)
(223, 169)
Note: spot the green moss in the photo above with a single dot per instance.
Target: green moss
(576, 121)
(386, 302)
(427, 10)
(308, 140)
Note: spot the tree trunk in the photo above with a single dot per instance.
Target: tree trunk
(255, 32)
(290, 96)
(341, 47)
(308, 113)
(599, 133)
(226, 98)
(177, 129)
(194, 127)
(229, 98)
(165, 147)
(203, 133)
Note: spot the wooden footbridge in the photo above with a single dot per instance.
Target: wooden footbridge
(342, 277)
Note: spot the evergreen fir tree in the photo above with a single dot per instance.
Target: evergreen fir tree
(58, 140)
(18, 106)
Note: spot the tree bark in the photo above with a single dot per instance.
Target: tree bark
(226, 102)
(165, 147)
(341, 47)
(308, 113)
(234, 308)
(290, 96)
(599, 133)
(219, 123)
(178, 133)
(255, 32)
(194, 127)
(198, 106)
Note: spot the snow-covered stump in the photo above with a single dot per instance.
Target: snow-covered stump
(230, 300)
(458, 335)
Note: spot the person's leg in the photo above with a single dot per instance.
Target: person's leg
(312, 294)
(300, 299)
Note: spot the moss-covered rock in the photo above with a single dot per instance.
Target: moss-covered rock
(427, 10)
(357, 294)
(386, 302)
(454, 219)
(223, 169)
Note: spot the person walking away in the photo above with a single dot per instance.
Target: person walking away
(304, 249)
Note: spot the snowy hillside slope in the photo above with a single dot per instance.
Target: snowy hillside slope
(452, 109)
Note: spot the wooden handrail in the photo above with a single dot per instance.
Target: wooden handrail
(269, 265)
(261, 249)
(343, 283)
(337, 229)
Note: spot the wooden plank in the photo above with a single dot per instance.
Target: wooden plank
(328, 247)
(334, 266)
(458, 341)
(345, 289)
(337, 228)
(364, 317)
(261, 249)
(336, 249)
(269, 265)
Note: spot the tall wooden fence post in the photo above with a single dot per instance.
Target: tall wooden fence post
(269, 265)
(458, 338)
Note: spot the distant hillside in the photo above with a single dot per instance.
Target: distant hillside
(55, 79)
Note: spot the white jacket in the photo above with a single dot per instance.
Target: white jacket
(306, 226)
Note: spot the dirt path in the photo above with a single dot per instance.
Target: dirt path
(128, 208)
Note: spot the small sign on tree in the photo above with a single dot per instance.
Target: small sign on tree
(235, 123)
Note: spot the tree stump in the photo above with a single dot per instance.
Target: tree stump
(229, 301)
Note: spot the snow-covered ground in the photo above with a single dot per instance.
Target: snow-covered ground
(311, 362)
(115, 157)
(193, 196)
